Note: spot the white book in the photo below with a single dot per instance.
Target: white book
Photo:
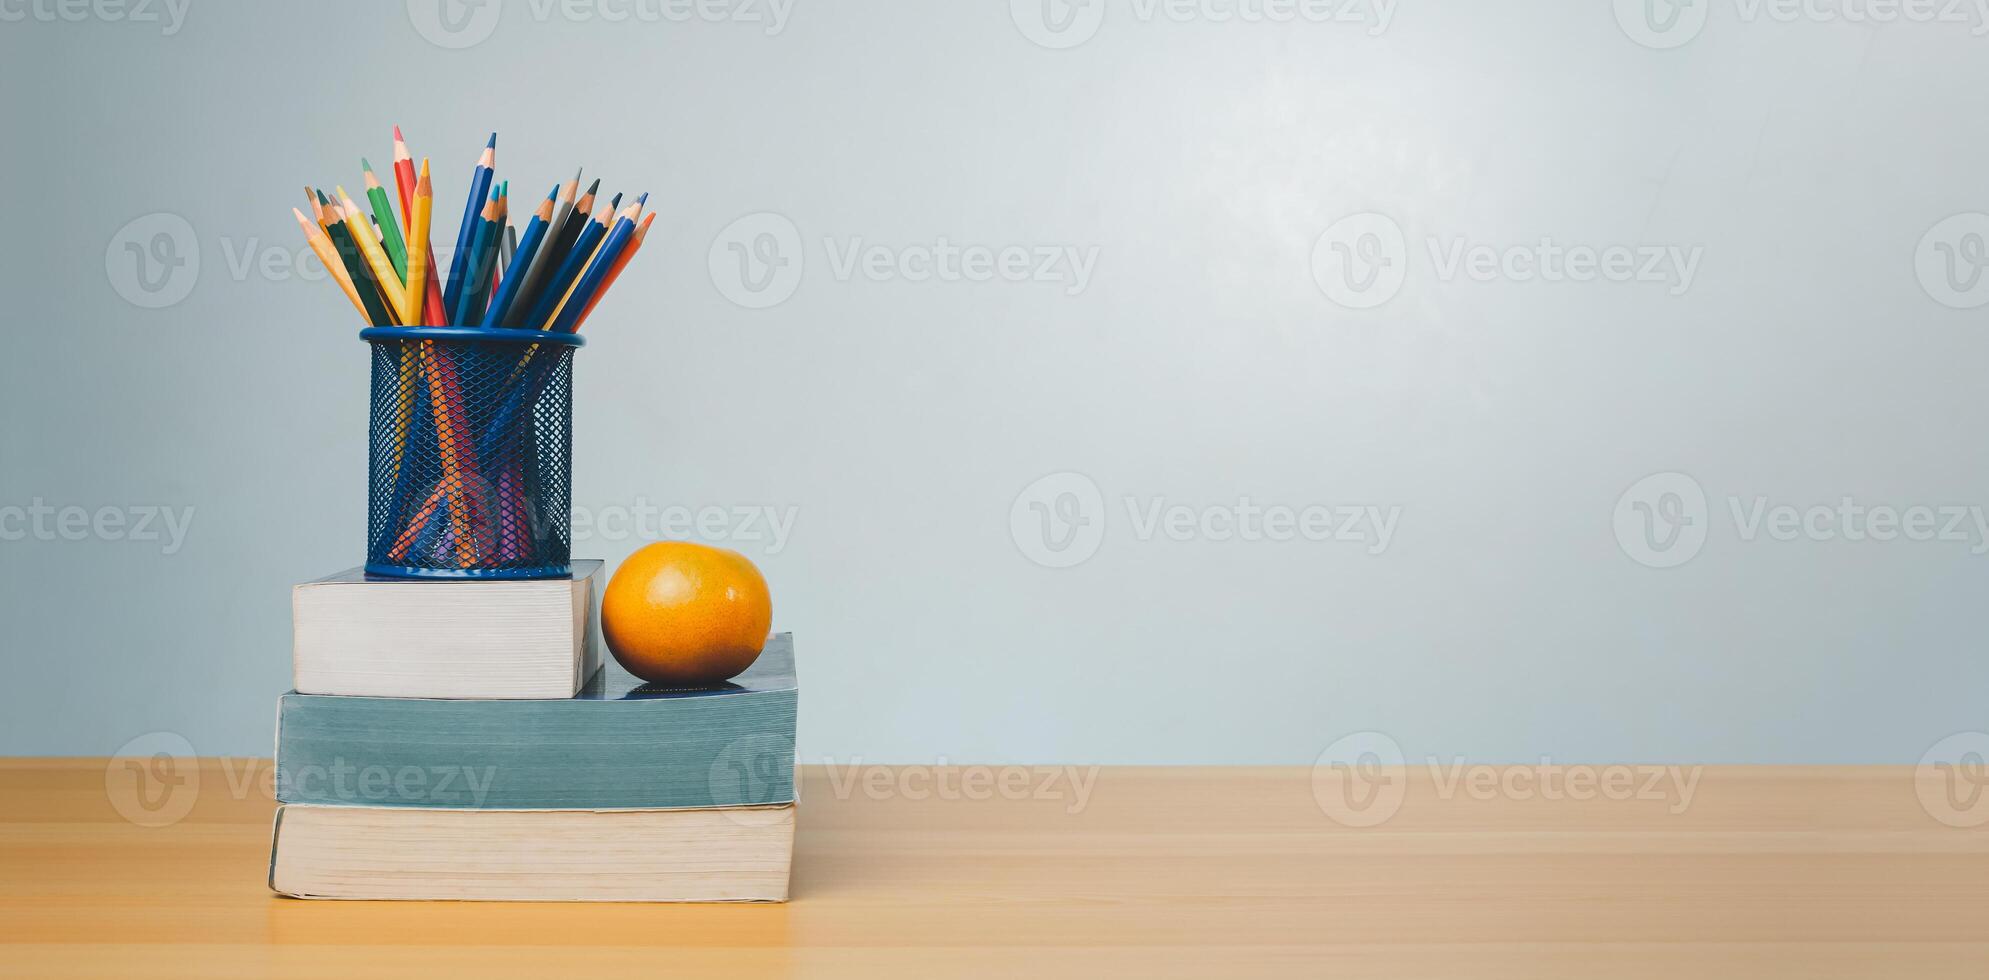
(727, 854)
(364, 636)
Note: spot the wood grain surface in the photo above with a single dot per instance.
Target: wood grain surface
(1152, 872)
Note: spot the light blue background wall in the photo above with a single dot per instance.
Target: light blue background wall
(1824, 347)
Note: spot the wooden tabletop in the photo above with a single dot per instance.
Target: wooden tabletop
(1152, 872)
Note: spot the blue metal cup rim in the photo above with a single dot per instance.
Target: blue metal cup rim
(507, 335)
(386, 570)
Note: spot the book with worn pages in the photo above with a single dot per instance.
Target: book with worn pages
(619, 743)
(706, 855)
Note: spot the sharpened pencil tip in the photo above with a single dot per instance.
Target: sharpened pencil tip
(365, 166)
(644, 199)
(397, 133)
(553, 194)
(492, 145)
(595, 186)
(322, 199)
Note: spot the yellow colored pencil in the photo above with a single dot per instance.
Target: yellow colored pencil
(417, 248)
(376, 258)
(327, 254)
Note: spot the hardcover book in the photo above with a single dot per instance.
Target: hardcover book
(619, 743)
(365, 636)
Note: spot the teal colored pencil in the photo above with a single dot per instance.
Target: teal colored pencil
(486, 229)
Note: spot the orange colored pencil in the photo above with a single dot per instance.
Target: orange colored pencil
(328, 254)
(615, 270)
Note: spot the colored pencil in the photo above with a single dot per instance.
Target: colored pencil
(610, 251)
(355, 266)
(376, 257)
(569, 232)
(404, 180)
(641, 232)
(418, 256)
(466, 296)
(569, 270)
(383, 213)
(544, 261)
(486, 281)
(479, 191)
(514, 273)
(328, 254)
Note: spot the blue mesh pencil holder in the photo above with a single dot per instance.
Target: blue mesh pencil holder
(471, 451)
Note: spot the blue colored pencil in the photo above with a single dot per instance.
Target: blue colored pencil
(597, 270)
(569, 269)
(521, 259)
(466, 235)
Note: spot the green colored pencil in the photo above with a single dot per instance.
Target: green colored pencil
(390, 230)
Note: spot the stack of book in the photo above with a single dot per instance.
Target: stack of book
(465, 740)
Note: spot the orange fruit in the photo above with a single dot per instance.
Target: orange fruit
(687, 615)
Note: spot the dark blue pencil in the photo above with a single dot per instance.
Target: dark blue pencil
(569, 269)
(597, 270)
(521, 259)
(466, 235)
(479, 244)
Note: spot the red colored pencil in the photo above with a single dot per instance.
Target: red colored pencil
(404, 181)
